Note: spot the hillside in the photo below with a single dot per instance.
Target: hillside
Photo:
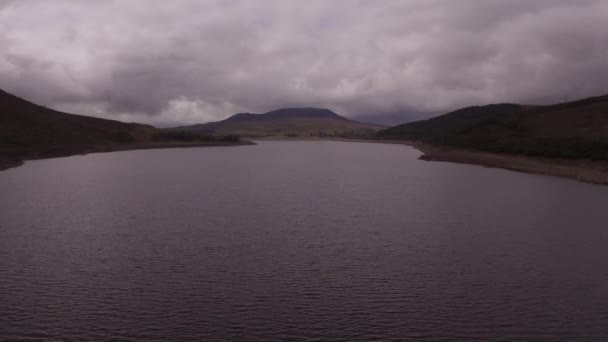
(27, 125)
(288, 122)
(573, 130)
(30, 131)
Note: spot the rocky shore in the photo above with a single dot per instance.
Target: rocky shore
(583, 170)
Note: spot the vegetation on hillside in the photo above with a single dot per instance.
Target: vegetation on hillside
(574, 130)
(25, 125)
(30, 131)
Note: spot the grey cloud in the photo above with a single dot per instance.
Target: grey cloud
(189, 61)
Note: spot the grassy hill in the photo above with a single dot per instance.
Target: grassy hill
(27, 125)
(289, 122)
(573, 130)
(30, 131)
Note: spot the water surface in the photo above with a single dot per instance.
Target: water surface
(298, 241)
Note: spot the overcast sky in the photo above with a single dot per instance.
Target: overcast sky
(188, 61)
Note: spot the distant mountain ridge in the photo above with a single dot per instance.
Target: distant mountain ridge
(292, 122)
(574, 130)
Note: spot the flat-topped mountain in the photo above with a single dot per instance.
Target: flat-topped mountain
(574, 130)
(288, 122)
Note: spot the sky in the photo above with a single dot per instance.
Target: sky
(191, 61)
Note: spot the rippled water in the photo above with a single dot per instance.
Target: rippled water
(298, 241)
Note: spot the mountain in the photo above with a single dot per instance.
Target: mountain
(392, 118)
(573, 130)
(30, 131)
(288, 122)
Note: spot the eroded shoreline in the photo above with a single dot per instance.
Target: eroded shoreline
(589, 171)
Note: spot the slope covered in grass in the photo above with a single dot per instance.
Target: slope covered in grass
(574, 130)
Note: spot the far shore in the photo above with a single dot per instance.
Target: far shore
(588, 171)
(378, 141)
(16, 157)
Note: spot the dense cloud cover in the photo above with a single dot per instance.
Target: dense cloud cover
(190, 61)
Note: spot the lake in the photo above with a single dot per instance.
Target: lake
(298, 240)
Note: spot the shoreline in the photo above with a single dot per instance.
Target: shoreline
(363, 140)
(588, 171)
(15, 158)
(6, 164)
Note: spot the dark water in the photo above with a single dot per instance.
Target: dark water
(298, 241)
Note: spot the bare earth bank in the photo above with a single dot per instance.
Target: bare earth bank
(13, 158)
(583, 170)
